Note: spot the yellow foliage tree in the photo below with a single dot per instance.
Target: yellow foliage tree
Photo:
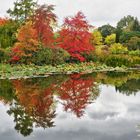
(110, 39)
(97, 38)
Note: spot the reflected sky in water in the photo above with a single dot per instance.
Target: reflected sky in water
(112, 115)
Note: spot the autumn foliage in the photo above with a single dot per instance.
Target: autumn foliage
(27, 42)
(34, 101)
(75, 37)
(38, 33)
(75, 94)
(35, 34)
(3, 21)
(42, 20)
(37, 102)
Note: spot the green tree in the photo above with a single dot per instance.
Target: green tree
(129, 23)
(130, 87)
(126, 36)
(134, 25)
(8, 34)
(133, 43)
(24, 122)
(22, 9)
(106, 30)
(118, 33)
(126, 28)
(6, 91)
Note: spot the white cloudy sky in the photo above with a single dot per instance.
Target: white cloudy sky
(98, 12)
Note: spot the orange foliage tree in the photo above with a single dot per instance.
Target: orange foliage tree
(38, 102)
(36, 33)
(3, 21)
(27, 42)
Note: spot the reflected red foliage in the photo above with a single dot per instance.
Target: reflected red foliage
(76, 94)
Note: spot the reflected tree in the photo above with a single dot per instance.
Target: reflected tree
(138, 129)
(43, 112)
(37, 102)
(131, 86)
(117, 74)
(125, 82)
(31, 101)
(24, 122)
(76, 93)
(6, 91)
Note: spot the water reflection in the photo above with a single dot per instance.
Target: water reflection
(33, 99)
(138, 129)
(77, 92)
(33, 102)
(130, 87)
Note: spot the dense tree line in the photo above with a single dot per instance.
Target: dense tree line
(28, 36)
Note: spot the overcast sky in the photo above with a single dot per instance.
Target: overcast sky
(98, 12)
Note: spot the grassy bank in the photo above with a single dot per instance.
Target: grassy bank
(24, 71)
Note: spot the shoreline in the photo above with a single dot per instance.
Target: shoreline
(32, 71)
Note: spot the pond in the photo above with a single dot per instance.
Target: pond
(97, 106)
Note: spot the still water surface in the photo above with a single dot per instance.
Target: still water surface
(99, 106)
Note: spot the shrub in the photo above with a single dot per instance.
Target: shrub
(118, 48)
(124, 60)
(133, 43)
(1, 55)
(90, 56)
(101, 53)
(116, 60)
(7, 54)
(4, 55)
(59, 56)
(110, 39)
(135, 53)
(43, 56)
(53, 56)
(135, 60)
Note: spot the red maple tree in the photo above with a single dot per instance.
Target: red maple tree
(75, 37)
(42, 20)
